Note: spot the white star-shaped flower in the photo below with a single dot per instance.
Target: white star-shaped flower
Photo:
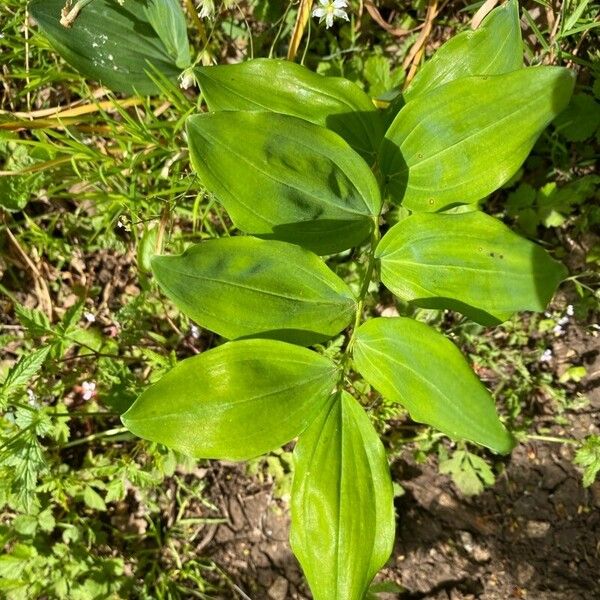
(328, 11)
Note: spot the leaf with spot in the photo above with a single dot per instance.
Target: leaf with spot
(467, 262)
(283, 178)
(244, 286)
(113, 44)
(236, 401)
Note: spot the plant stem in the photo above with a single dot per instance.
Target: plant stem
(550, 438)
(191, 7)
(96, 436)
(68, 14)
(364, 288)
(83, 415)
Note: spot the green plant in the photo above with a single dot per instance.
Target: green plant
(304, 166)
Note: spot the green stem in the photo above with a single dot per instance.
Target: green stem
(96, 436)
(83, 415)
(550, 438)
(191, 7)
(364, 287)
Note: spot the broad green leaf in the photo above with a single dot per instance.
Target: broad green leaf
(343, 521)
(283, 178)
(494, 48)
(168, 20)
(410, 363)
(236, 401)
(113, 44)
(468, 262)
(463, 140)
(284, 87)
(243, 286)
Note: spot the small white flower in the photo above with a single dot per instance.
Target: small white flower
(89, 317)
(195, 331)
(89, 390)
(546, 356)
(329, 10)
(32, 397)
(570, 310)
(187, 79)
(558, 330)
(207, 9)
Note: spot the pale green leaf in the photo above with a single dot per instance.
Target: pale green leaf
(244, 286)
(494, 48)
(93, 499)
(470, 473)
(467, 262)
(168, 20)
(22, 372)
(410, 363)
(146, 249)
(113, 44)
(285, 87)
(236, 401)
(465, 139)
(588, 457)
(343, 521)
(283, 178)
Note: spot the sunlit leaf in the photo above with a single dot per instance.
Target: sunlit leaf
(410, 363)
(342, 502)
(494, 48)
(244, 286)
(468, 262)
(285, 87)
(236, 401)
(465, 139)
(283, 178)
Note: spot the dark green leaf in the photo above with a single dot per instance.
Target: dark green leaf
(410, 363)
(283, 178)
(244, 286)
(465, 139)
(109, 43)
(342, 502)
(284, 87)
(580, 120)
(236, 401)
(492, 49)
(467, 262)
